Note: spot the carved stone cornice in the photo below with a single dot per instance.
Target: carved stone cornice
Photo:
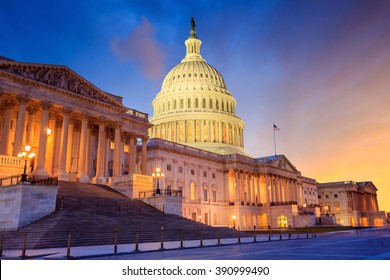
(62, 78)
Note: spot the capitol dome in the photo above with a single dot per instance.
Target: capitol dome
(194, 106)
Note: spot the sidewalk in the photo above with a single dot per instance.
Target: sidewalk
(122, 249)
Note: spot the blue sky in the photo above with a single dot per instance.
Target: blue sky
(318, 69)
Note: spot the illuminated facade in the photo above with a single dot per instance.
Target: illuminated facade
(77, 131)
(80, 133)
(351, 203)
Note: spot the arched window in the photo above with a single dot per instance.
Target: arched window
(211, 104)
(204, 103)
(223, 106)
(192, 191)
(181, 103)
(174, 104)
(196, 103)
(189, 103)
(217, 105)
(169, 105)
(163, 107)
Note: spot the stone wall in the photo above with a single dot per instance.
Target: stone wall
(166, 204)
(21, 204)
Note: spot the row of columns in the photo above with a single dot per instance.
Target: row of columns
(66, 140)
(264, 188)
(282, 189)
(209, 131)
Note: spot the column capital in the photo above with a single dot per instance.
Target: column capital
(85, 116)
(66, 111)
(23, 99)
(8, 104)
(32, 110)
(46, 105)
(53, 115)
(117, 124)
(101, 120)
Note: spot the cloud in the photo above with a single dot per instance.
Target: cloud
(141, 48)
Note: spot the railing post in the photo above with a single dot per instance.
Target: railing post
(219, 237)
(239, 237)
(136, 242)
(1, 246)
(68, 250)
(254, 238)
(201, 236)
(307, 232)
(24, 246)
(269, 233)
(181, 239)
(162, 239)
(116, 230)
(280, 234)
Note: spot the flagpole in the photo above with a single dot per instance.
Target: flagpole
(274, 138)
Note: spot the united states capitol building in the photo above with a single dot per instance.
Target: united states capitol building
(187, 159)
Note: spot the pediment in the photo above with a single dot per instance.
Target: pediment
(60, 77)
(281, 162)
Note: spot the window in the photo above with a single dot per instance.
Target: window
(335, 196)
(214, 196)
(204, 173)
(204, 103)
(112, 145)
(319, 197)
(126, 148)
(213, 175)
(189, 103)
(196, 103)
(174, 105)
(205, 195)
(192, 172)
(327, 196)
(181, 103)
(169, 167)
(192, 191)
(180, 169)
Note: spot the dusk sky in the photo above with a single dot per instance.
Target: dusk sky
(319, 70)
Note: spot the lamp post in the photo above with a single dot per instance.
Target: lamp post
(24, 155)
(234, 221)
(158, 174)
(270, 202)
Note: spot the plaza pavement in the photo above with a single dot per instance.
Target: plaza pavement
(363, 244)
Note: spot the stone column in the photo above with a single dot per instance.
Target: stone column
(69, 148)
(193, 131)
(219, 132)
(100, 156)
(248, 183)
(81, 176)
(40, 170)
(133, 153)
(32, 110)
(236, 185)
(63, 175)
(20, 125)
(143, 162)
(117, 150)
(201, 128)
(8, 105)
(242, 187)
